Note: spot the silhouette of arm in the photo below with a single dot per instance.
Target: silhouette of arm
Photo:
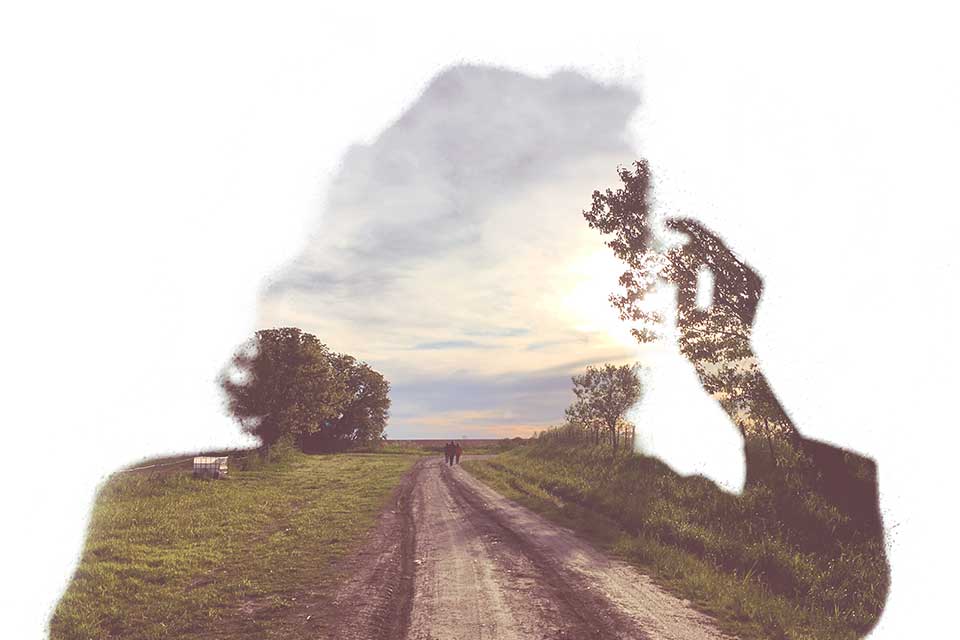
(717, 341)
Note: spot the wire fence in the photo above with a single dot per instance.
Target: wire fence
(171, 463)
(157, 465)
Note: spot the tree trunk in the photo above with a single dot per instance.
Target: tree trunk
(766, 431)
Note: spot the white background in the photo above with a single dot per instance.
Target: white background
(157, 163)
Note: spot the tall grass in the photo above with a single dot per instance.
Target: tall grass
(780, 560)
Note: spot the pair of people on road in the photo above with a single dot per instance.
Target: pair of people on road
(452, 452)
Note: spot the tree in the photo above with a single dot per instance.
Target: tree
(285, 384)
(363, 415)
(582, 418)
(625, 214)
(604, 394)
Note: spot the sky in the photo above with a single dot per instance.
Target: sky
(452, 254)
(162, 164)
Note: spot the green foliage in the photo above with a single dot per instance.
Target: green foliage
(287, 385)
(168, 556)
(604, 394)
(780, 560)
(625, 213)
(363, 416)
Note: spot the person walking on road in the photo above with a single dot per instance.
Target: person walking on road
(447, 453)
(457, 452)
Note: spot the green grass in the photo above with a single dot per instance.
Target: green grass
(767, 564)
(169, 556)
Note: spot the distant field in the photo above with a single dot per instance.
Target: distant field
(169, 556)
(476, 446)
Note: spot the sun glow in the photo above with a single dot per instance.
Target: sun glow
(593, 278)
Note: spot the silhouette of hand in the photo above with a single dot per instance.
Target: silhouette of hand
(720, 333)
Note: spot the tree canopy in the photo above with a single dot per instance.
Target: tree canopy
(604, 394)
(285, 384)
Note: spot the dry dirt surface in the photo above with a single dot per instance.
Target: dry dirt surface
(454, 560)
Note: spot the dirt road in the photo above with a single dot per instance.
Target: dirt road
(454, 560)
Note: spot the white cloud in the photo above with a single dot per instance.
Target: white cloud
(455, 241)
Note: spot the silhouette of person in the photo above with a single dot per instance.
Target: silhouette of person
(821, 493)
(458, 451)
(716, 340)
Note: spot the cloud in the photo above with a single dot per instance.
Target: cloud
(443, 254)
(480, 405)
(453, 344)
(469, 425)
(507, 332)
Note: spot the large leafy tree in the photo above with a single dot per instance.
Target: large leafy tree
(604, 394)
(286, 384)
(363, 414)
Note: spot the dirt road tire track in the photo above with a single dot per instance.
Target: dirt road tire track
(374, 602)
(585, 613)
(631, 604)
(454, 560)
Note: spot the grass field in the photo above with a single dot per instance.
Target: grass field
(169, 556)
(767, 565)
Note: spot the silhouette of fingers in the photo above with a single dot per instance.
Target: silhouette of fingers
(736, 286)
